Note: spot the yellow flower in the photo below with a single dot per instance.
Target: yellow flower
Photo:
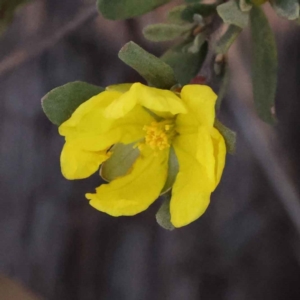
(155, 121)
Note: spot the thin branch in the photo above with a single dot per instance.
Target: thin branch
(35, 48)
(260, 142)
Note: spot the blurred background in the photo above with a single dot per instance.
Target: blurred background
(245, 247)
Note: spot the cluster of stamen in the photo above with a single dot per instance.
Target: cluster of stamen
(159, 134)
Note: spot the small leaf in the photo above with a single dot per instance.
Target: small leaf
(153, 69)
(198, 42)
(231, 14)
(120, 162)
(288, 9)
(7, 10)
(227, 39)
(125, 9)
(204, 10)
(165, 32)
(60, 103)
(163, 216)
(185, 64)
(265, 65)
(245, 5)
(228, 135)
(174, 15)
(173, 168)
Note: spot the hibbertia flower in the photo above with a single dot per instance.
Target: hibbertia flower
(153, 121)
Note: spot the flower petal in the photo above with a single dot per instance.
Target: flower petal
(121, 106)
(205, 153)
(200, 101)
(154, 99)
(77, 163)
(219, 153)
(121, 87)
(192, 188)
(134, 192)
(89, 115)
(158, 100)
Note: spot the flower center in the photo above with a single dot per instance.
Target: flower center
(159, 134)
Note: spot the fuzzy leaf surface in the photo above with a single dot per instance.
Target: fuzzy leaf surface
(61, 102)
(125, 9)
(154, 70)
(231, 14)
(265, 65)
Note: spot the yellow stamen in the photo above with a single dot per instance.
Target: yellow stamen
(159, 134)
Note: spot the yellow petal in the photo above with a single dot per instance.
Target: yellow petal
(200, 101)
(96, 142)
(89, 115)
(132, 124)
(205, 153)
(219, 153)
(158, 100)
(122, 87)
(121, 106)
(134, 192)
(77, 163)
(126, 130)
(154, 99)
(192, 188)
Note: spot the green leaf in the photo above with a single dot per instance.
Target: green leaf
(231, 14)
(185, 63)
(60, 103)
(7, 10)
(163, 216)
(227, 39)
(124, 9)
(228, 135)
(174, 15)
(265, 65)
(288, 9)
(204, 10)
(173, 168)
(120, 162)
(153, 69)
(165, 32)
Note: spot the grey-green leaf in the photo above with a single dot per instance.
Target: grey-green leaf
(173, 168)
(165, 32)
(288, 9)
(174, 15)
(124, 9)
(231, 14)
(60, 103)
(197, 9)
(120, 162)
(153, 69)
(227, 39)
(265, 65)
(245, 5)
(186, 64)
(163, 216)
(228, 135)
